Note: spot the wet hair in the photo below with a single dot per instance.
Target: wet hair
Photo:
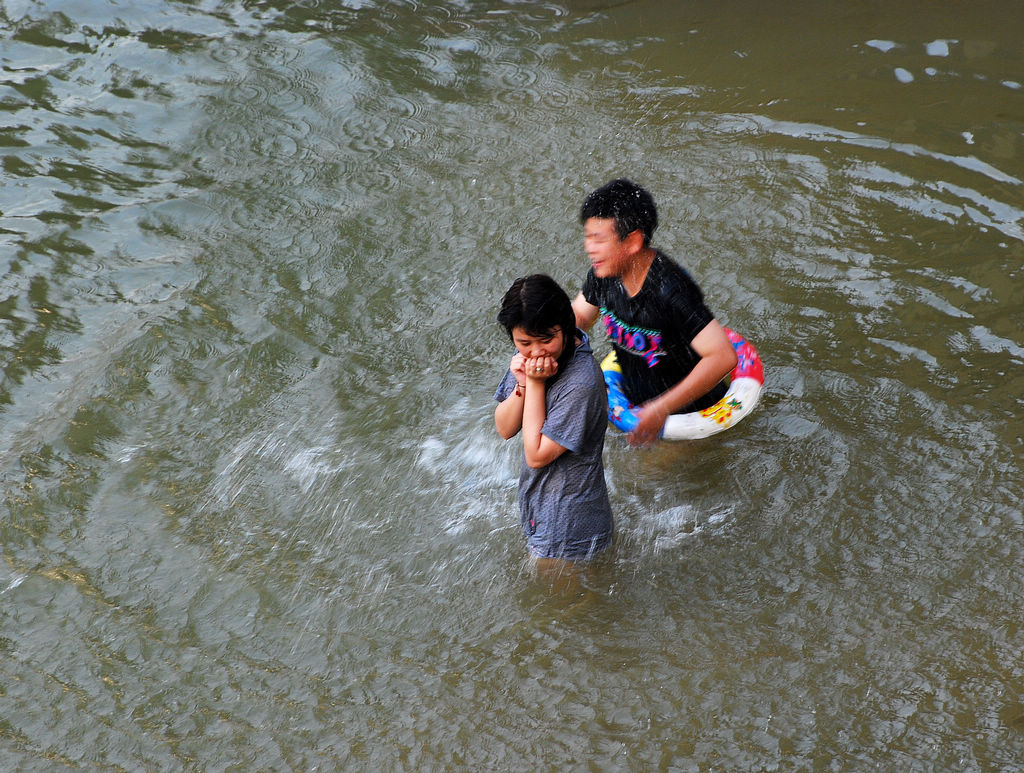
(539, 305)
(629, 204)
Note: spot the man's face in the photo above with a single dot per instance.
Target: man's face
(609, 255)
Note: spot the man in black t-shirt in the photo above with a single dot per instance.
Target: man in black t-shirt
(673, 352)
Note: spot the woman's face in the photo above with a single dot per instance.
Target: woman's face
(551, 344)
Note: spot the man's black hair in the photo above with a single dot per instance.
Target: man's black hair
(631, 206)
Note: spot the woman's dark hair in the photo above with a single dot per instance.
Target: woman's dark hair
(539, 305)
(629, 204)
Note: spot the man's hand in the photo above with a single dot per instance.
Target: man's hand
(652, 421)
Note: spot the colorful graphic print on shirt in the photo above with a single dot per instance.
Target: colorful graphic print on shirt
(635, 340)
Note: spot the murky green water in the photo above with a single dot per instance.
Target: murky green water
(255, 515)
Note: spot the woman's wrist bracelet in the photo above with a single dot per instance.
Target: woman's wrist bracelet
(520, 389)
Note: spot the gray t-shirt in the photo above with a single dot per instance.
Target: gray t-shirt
(564, 506)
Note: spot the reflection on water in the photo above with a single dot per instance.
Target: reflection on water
(256, 515)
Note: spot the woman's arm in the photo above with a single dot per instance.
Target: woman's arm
(508, 416)
(539, 449)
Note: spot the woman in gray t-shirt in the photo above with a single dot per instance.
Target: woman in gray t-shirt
(554, 393)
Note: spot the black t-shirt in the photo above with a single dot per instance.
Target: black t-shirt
(652, 331)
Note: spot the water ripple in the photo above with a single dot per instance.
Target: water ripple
(828, 134)
(250, 472)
